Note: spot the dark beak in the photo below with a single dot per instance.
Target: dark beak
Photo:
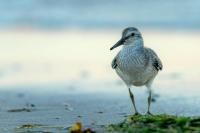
(120, 42)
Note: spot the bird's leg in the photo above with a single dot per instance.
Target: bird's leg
(133, 101)
(149, 102)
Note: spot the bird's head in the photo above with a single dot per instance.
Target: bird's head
(129, 35)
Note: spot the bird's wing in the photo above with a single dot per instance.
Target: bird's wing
(114, 62)
(156, 62)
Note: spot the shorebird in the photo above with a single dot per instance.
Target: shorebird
(136, 64)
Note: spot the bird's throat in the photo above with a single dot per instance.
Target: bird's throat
(135, 44)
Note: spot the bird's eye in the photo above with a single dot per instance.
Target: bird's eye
(132, 34)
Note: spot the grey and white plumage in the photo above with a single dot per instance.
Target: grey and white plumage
(136, 64)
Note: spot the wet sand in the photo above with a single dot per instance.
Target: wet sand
(57, 110)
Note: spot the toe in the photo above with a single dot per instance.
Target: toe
(136, 113)
(149, 113)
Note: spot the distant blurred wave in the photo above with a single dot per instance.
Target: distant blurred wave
(58, 14)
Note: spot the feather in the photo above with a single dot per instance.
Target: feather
(156, 62)
(114, 63)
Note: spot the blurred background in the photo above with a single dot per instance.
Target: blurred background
(65, 43)
(55, 60)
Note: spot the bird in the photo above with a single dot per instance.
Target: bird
(136, 64)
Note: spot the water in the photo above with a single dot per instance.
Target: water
(54, 14)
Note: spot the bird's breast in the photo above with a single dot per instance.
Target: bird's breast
(132, 66)
(130, 60)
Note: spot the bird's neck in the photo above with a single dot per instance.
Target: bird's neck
(136, 44)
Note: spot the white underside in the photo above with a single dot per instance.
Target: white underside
(139, 79)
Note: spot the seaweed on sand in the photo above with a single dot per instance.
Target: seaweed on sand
(158, 123)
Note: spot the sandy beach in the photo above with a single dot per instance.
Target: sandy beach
(67, 56)
(55, 66)
(57, 110)
(54, 79)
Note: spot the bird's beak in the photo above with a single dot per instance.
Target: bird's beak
(120, 42)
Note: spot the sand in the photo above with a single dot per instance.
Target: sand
(51, 80)
(56, 110)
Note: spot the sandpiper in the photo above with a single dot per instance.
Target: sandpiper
(135, 64)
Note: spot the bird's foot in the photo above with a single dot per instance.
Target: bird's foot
(149, 113)
(136, 113)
